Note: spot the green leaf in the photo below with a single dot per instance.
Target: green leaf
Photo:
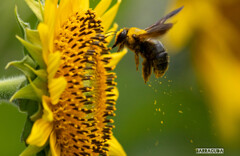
(27, 129)
(34, 51)
(36, 7)
(24, 65)
(33, 37)
(33, 91)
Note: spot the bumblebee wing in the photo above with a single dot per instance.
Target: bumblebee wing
(157, 30)
(162, 20)
(160, 27)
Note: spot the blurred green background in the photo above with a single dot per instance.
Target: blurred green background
(168, 116)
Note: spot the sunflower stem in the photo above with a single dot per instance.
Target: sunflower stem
(8, 86)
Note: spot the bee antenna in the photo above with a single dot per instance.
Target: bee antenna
(114, 32)
(110, 35)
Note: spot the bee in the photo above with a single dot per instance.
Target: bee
(143, 42)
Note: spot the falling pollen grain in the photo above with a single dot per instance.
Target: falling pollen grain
(155, 102)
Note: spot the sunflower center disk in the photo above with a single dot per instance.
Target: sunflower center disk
(81, 118)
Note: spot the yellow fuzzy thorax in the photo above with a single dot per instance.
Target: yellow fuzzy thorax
(134, 31)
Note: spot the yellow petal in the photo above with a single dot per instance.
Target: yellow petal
(54, 60)
(40, 133)
(50, 11)
(115, 148)
(115, 57)
(84, 4)
(47, 113)
(220, 70)
(67, 8)
(56, 87)
(43, 33)
(102, 7)
(111, 32)
(54, 147)
(109, 16)
(181, 31)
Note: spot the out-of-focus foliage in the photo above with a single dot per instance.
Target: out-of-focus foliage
(168, 116)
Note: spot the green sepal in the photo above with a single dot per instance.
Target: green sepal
(36, 8)
(31, 150)
(42, 153)
(32, 91)
(41, 4)
(34, 51)
(38, 114)
(41, 73)
(23, 25)
(33, 37)
(24, 65)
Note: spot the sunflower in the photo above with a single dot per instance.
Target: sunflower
(212, 29)
(69, 71)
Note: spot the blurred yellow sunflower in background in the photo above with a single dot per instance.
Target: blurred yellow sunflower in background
(69, 69)
(212, 30)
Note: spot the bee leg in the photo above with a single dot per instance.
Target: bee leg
(121, 46)
(147, 69)
(137, 60)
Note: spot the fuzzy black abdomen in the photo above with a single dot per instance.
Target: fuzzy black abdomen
(154, 53)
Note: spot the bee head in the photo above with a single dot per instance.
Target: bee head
(120, 38)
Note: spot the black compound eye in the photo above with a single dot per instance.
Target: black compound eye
(122, 36)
